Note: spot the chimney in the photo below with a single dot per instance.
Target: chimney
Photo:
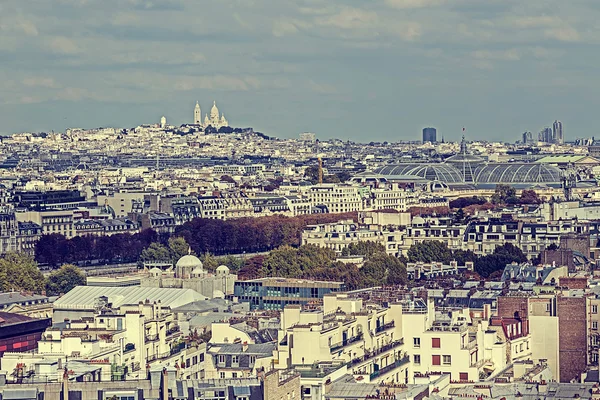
(65, 384)
(244, 346)
(165, 385)
(487, 311)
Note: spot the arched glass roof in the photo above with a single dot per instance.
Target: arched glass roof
(517, 173)
(433, 172)
(510, 173)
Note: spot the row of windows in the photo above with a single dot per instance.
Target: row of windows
(436, 343)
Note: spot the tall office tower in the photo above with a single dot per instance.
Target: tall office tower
(557, 132)
(527, 137)
(545, 135)
(429, 135)
(197, 115)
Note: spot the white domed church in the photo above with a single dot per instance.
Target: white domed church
(216, 119)
(189, 273)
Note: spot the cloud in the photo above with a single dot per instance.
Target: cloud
(38, 81)
(408, 31)
(63, 45)
(216, 82)
(500, 55)
(283, 28)
(322, 88)
(403, 4)
(563, 34)
(19, 25)
(539, 21)
(349, 18)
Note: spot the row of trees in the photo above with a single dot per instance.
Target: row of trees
(250, 235)
(203, 235)
(487, 266)
(20, 272)
(312, 262)
(506, 194)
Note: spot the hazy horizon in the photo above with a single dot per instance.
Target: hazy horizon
(340, 69)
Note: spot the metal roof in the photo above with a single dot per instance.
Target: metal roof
(84, 297)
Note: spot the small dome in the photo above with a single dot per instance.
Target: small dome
(189, 261)
(155, 271)
(214, 111)
(418, 221)
(222, 268)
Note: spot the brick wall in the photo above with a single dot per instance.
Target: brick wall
(558, 257)
(509, 305)
(572, 283)
(580, 243)
(572, 330)
(287, 387)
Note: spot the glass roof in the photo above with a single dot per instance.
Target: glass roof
(487, 173)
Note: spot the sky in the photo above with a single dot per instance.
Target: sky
(361, 70)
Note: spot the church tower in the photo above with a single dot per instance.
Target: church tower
(197, 115)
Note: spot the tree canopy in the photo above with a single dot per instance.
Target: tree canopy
(504, 194)
(497, 261)
(64, 279)
(19, 272)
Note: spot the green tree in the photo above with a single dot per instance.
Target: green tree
(529, 197)
(497, 261)
(64, 279)
(178, 248)
(209, 261)
(363, 248)
(289, 262)
(430, 251)
(384, 269)
(233, 263)
(156, 252)
(504, 194)
(19, 271)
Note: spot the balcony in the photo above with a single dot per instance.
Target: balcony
(396, 364)
(151, 338)
(173, 330)
(469, 346)
(384, 327)
(374, 353)
(340, 345)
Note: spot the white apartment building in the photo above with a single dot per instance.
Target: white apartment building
(393, 197)
(338, 198)
(51, 221)
(366, 338)
(338, 236)
(450, 344)
(124, 341)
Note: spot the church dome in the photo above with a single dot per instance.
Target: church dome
(214, 111)
(222, 270)
(189, 261)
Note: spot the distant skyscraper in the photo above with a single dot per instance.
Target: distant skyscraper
(197, 115)
(429, 135)
(557, 132)
(545, 135)
(163, 122)
(527, 137)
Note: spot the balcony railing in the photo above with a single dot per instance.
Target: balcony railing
(151, 338)
(340, 345)
(469, 346)
(374, 353)
(385, 327)
(398, 363)
(173, 330)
